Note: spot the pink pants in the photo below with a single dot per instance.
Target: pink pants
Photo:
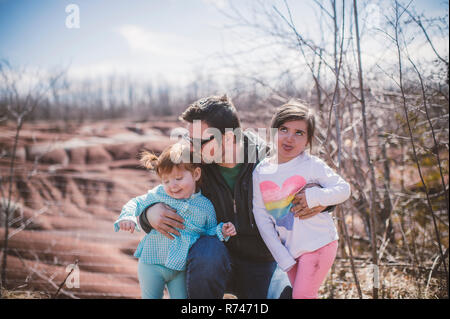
(310, 271)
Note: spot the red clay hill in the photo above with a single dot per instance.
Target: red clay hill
(70, 184)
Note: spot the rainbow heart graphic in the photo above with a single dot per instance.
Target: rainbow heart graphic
(278, 200)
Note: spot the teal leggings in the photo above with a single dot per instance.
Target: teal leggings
(153, 278)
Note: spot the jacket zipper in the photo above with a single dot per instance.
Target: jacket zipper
(236, 219)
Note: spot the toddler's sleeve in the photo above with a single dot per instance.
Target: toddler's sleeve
(136, 206)
(128, 212)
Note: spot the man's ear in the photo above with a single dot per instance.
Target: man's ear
(197, 174)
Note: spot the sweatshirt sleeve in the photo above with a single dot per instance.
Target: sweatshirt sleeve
(335, 189)
(266, 227)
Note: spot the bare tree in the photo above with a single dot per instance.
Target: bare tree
(19, 105)
(396, 38)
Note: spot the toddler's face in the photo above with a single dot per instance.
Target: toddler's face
(292, 140)
(180, 183)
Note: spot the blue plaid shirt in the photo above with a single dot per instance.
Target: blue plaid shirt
(199, 219)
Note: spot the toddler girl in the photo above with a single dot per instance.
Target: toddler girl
(305, 248)
(162, 261)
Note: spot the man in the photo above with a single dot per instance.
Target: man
(242, 266)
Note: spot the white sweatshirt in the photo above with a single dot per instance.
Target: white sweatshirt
(287, 237)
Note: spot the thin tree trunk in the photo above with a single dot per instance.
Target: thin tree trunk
(337, 105)
(372, 205)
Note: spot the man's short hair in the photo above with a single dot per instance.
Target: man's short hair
(216, 111)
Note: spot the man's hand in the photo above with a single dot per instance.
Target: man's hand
(127, 225)
(306, 213)
(300, 206)
(165, 220)
(301, 200)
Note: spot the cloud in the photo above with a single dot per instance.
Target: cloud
(221, 4)
(145, 41)
(150, 53)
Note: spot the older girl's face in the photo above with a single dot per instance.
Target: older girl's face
(180, 183)
(292, 140)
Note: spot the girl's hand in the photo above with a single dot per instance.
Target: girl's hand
(228, 229)
(127, 225)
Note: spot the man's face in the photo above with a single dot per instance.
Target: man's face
(208, 140)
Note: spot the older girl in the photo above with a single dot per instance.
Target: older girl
(304, 248)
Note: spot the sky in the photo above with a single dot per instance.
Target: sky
(113, 36)
(140, 38)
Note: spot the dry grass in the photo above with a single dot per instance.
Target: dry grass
(23, 294)
(395, 282)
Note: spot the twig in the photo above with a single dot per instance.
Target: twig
(28, 221)
(65, 279)
(437, 262)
